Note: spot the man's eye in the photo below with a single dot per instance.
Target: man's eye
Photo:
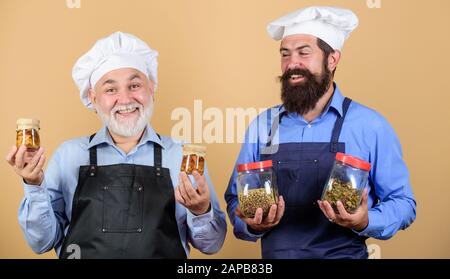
(110, 90)
(284, 54)
(135, 86)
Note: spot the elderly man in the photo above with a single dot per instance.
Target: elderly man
(315, 122)
(112, 195)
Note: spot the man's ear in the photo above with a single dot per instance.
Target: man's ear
(151, 85)
(333, 60)
(92, 97)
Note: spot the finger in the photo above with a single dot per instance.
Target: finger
(272, 213)
(19, 157)
(39, 165)
(184, 187)
(178, 196)
(193, 195)
(238, 212)
(184, 194)
(202, 186)
(258, 216)
(280, 209)
(329, 210)
(343, 214)
(28, 156)
(322, 208)
(248, 221)
(365, 197)
(35, 159)
(10, 157)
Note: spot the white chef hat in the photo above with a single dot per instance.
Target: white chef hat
(332, 25)
(118, 50)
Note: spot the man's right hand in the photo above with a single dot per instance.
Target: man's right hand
(273, 218)
(27, 164)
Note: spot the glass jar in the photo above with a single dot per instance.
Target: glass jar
(27, 133)
(346, 182)
(193, 158)
(256, 186)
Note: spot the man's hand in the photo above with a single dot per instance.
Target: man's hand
(197, 201)
(273, 218)
(26, 164)
(357, 221)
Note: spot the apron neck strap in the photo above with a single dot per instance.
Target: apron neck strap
(336, 130)
(157, 153)
(276, 122)
(338, 125)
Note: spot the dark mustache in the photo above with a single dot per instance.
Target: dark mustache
(304, 72)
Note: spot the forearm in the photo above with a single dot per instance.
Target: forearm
(37, 219)
(207, 232)
(390, 216)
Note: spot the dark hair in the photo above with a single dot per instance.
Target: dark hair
(327, 50)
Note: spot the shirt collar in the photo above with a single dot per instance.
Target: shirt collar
(336, 103)
(103, 136)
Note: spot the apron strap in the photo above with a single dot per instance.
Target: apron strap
(275, 124)
(338, 125)
(157, 157)
(92, 158)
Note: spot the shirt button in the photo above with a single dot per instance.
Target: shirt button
(309, 125)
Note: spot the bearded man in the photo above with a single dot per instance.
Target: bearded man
(112, 194)
(304, 134)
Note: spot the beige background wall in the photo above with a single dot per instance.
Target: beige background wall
(218, 51)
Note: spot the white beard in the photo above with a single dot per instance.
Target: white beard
(127, 128)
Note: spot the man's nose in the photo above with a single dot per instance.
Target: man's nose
(124, 97)
(295, 63)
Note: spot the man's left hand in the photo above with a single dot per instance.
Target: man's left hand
(196, 200)
(357, 221)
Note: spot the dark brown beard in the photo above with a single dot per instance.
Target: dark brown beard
(303, 97)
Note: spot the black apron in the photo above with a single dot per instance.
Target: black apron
(124, 211)
(302, 170)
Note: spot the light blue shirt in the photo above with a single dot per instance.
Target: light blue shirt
(366, 135)
(45, 212)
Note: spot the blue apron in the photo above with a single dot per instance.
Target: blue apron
(302, 170)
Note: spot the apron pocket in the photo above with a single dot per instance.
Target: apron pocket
(122, 209)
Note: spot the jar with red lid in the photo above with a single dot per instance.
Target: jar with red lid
(256, 187)
(347, 180)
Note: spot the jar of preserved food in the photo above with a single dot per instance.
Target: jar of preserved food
(256, 186)
(27, 133)
(347, 180)
(193, 158)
